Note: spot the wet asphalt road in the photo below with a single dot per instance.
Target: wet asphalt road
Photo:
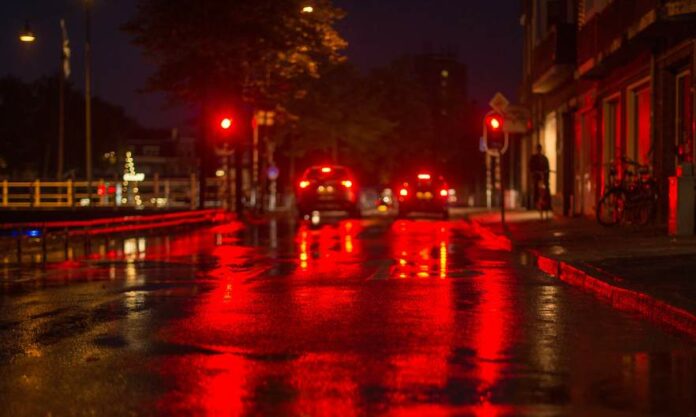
(351, 318)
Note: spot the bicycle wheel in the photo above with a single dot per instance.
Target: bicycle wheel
(610, 210)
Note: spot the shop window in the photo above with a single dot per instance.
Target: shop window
(639, 144)
(550, 148)
(611, 137)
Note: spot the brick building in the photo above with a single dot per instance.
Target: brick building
(606, 79)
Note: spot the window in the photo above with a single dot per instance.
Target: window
(683, 135)
(550, 147)
(639, 144)
(611, 138)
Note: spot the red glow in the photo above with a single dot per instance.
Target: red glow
(304, 184)
(494, 122)
(492, 336)
(347, 183)
(643, 134)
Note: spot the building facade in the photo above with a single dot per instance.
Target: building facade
(607, 80)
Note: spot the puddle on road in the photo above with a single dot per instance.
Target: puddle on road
(361, 318)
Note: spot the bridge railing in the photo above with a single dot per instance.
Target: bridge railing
(153, 193)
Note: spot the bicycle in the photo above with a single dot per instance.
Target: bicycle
(542, 200)
(631, 198)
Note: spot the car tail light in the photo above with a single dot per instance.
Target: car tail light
(304, 184)
(347, 183)
(444, 193)
(423, 176)
(403, 192)
(326, 170)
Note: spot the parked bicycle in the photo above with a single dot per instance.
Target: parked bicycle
(631, 197)
(542, 196)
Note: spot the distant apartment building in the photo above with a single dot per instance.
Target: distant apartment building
(606, 80)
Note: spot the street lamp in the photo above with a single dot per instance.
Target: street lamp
(88, 95)
(26, 35)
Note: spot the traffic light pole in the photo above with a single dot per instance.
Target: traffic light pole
(502, 190)
(238, 206)
(496, 143)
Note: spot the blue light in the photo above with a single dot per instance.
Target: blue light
(33, 233)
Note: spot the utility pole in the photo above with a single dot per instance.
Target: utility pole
(88, 96)
(63, 73)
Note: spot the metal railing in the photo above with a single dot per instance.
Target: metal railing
(157, 192)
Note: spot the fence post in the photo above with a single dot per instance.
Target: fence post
(37, 193)
(167, 191)
(194, 192)
(5, 193)
(69, 190)
(102, 198)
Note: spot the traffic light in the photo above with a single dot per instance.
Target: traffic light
(494, 133)
(226, 123)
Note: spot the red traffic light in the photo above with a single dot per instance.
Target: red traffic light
(494, 122)
(226, 123)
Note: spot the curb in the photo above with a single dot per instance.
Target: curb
(623, 299)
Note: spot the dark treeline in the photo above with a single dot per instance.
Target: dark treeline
(29, 130)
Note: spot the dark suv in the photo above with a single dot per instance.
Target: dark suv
(327, 188)
(424, 193)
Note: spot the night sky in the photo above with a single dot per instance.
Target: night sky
(486, 34)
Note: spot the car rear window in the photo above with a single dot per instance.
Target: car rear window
(429, 184)
(336, 173)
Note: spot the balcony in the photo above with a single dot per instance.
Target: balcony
(611, 35)
(554, 59)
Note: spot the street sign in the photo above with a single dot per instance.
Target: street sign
(499, 102)
(517, 119)
(273, 173)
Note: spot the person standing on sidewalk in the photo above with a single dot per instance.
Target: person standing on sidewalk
(539, 167)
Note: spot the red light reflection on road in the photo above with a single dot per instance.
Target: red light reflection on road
(420, 249)
(492, 336)
(322, 250)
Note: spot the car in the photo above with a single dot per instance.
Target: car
(424, 193)
(327, 188)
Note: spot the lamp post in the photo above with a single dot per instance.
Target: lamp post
(88, 96)
(28, 36)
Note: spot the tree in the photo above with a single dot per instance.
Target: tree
(29, 128)
(339, 119)
(402, 99)
(253, 50)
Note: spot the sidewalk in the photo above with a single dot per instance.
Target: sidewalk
(636, 269)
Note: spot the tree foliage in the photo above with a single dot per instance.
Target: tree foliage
(253, 49)
(29, 129)
(340, 118)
